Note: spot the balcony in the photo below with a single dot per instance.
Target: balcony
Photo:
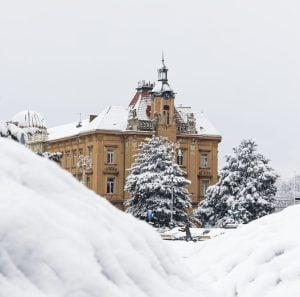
(145, 125)
(111, 170)
(205, 173)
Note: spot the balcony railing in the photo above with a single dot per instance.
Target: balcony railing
(182, 128)
(145, 125)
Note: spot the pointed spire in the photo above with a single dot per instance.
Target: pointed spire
(162, 72)
(162, 86)
(163, 59)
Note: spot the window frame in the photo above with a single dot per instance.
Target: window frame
(166, 112)
(110, 185)
(204, 185)
(180, 160)
(90, 151)
(110, 155)
(204, 160)
(68, 153)
(74, 158)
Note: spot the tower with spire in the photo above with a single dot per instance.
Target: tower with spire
(162, 105)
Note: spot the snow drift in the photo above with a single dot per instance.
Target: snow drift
(57, 238)
(258, 259)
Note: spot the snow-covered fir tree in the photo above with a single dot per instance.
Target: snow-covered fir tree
(246, 189)
(152, 177)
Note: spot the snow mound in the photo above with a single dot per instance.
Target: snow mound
(258, 259)
(57, 238)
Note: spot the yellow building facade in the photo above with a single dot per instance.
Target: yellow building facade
(110, 141)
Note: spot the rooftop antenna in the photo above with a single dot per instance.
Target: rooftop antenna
(79, 123)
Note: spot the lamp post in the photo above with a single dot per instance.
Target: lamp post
(84, 162)
(172, 198)
(294, 187)
(179, 153)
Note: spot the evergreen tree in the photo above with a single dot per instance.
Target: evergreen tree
(246, 189)
(152, 177)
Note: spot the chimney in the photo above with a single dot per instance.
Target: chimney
(92, 117)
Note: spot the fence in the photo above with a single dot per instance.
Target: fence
(283, 202)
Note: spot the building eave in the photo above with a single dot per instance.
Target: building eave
(100, 131)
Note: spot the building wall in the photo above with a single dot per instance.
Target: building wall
(124, 146)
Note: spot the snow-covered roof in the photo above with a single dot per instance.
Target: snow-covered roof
(161, 87)
(111, 118)
(29, 119)
(115, 118)
(203, 125)
(141, 105)
(60, 239)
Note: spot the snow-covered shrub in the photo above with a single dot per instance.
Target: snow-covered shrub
(12, 131)
(56, 157)
(245, 191)
(152, 176)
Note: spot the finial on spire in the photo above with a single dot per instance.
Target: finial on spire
(163, 58)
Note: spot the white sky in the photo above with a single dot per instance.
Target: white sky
(238, 61)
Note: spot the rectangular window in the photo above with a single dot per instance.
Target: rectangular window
(90, 151)
(204, 160)
(166, 114)
(110, 156)
(204, 186)
(110, 186)
(67, 159)
(74, 158)
(80, 152)
(79, 177)
(180, 159)
(89, 182)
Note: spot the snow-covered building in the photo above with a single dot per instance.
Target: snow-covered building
(111, 139)
(34, 126)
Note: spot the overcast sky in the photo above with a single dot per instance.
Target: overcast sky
(238, 61)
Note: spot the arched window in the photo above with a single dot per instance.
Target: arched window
(167, 114)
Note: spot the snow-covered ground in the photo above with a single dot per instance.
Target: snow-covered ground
(197, 233)
(258, 259)
(57, 238)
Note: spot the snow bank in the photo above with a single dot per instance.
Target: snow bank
(258, 259)
(57, 238)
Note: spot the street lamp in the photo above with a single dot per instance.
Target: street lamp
(179, 154)
(84, 162)
(294, 187)
(172, 197)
